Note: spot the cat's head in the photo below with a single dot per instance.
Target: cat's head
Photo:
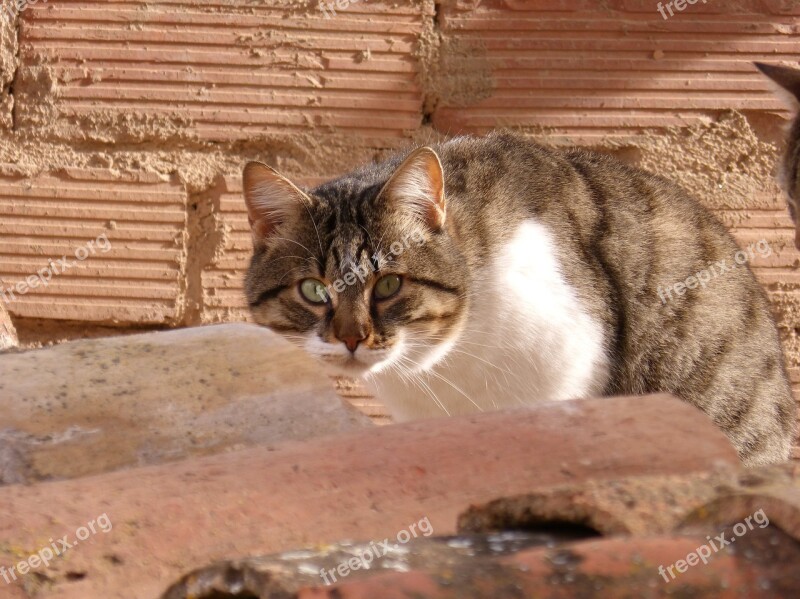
(362, 272)
(788, 80)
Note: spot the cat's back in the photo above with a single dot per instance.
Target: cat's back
(513, 170)
(591, 202)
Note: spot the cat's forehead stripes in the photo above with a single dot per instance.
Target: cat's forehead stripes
(350, 252)
(349, 225)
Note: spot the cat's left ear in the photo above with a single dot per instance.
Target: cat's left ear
(272, 200)
(417, 188)
(787, 78)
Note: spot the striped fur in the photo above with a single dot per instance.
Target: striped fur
(542, 282)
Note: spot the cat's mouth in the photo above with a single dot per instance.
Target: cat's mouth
(356, 364)
(351, 365)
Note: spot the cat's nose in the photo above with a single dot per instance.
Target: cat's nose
(352, 342)
(351, 328)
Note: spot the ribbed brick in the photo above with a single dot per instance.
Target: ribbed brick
(223, 278)
(138, 280)
(592, 73)
(229, 70)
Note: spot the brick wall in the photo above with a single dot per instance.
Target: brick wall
(224, 71)
(132, 119)
(594, 73)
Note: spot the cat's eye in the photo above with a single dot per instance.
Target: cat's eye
(387, 286)
(314, 291)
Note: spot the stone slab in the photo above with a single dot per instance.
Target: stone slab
(99, 405)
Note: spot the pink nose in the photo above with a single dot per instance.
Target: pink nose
(351, 343)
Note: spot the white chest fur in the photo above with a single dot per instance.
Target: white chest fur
(527, 339)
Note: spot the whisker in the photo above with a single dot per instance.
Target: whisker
(445, 380)
(487, 362)
(313, 222)
(422, 384)
(288, 272)
(310, 253)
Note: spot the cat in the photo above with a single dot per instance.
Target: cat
(788, 80)
(491, 272)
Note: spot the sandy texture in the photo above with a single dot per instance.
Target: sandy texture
(8, 66)
(724, 164)
(8, 334)
(453, 71)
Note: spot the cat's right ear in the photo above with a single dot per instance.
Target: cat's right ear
(786, 77)
(417, 188)
(272, 200)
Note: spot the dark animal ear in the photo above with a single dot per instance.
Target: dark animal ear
(272, 200)
(787, 78)
(417, 189)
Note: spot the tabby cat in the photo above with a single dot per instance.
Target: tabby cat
(487, 273)
(789, 81)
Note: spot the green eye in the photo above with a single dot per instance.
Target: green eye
(387, 286)
(314, 291)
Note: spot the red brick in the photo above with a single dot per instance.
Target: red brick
(774, 491)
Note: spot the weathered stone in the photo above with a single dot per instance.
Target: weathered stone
(294, 570)
(14, 464)
(644, 505)
(773, 491)
(370, 484)
(487, 566)
(94, 406)
(648, 505)
(557, 554)
(765, 565)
